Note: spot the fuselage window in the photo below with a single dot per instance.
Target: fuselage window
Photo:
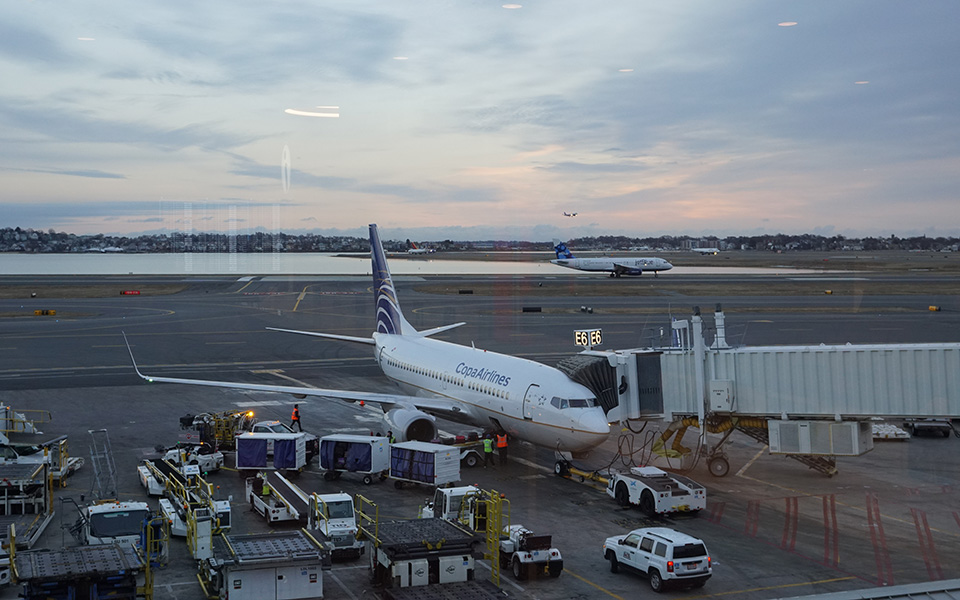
(581, 402)
(560, 403)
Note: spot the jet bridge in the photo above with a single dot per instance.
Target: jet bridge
(809, 402)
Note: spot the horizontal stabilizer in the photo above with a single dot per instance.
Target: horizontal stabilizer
(436, 330)
(332, 336)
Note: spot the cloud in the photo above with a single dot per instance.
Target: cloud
(91, 173)
(23, 44)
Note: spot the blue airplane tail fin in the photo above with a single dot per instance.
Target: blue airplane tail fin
(389, 316)
(561, 249)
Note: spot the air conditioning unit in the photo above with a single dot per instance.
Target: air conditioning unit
(829, 438)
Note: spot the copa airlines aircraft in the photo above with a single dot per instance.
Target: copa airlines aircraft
(615, 266)
(527, 399)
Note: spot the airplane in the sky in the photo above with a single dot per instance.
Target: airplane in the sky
(566, 214)
(417, 250)
(529, 400)
(706, 250)
(615, 266)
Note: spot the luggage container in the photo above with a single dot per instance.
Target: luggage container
(369, 455)
(424, 463)
(289, 452)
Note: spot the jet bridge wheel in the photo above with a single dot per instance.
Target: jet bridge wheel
(718, 466)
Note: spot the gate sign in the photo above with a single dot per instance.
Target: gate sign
(587, 338)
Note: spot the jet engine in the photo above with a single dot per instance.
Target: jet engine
(410, 424)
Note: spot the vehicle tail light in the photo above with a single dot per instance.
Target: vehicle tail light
(554, 553)
(709, 563)
(669, 566)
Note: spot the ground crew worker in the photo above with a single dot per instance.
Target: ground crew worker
(295, 417)
(502, 447)
(265, 487)
(391, 438)
(488, 451)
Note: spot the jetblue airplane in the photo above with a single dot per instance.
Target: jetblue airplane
(615, 266)
(529, 400)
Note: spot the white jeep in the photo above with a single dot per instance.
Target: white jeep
(665, 556)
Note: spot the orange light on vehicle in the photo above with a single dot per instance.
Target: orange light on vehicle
(669, 566)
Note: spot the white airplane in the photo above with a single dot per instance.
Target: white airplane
(529, 400)
(615, 266)
(566, 214)
(706, 250)
(417, 250)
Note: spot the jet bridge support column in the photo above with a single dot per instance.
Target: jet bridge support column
(699, 356)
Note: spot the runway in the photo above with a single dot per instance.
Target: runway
(774, 528)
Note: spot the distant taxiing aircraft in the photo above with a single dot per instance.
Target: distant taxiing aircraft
(615, 266)
(529, 400)
(566, 214)
(417, 250)
(706, 250)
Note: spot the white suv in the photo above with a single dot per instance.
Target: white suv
(663, 555)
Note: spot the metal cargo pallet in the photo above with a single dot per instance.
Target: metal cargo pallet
(265, 547)
(73, 564)
(418, 537)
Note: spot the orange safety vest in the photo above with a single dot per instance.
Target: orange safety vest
(296, 415)
(501, 441)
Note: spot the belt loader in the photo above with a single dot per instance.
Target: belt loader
(330, 517)
(187, 502)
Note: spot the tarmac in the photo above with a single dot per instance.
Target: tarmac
(774, 528)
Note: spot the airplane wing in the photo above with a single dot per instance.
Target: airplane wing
(332, 336)
(434, 406)
(625, 270)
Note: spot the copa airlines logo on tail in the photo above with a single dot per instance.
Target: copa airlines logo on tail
(488, 375)
(388, 311)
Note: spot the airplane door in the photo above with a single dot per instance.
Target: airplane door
(529, 400)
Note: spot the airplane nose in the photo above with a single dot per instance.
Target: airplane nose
(594, 421)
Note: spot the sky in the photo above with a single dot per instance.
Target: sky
(466, 119)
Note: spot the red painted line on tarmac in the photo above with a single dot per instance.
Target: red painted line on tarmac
(753, 518)
(831, 539)
(716, 512)
(790, 521)
(927, 548)
(880, 551)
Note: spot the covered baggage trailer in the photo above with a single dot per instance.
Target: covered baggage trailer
(342, 453)
(289, 452)
(424, 463)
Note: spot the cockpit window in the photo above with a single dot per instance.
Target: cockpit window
(563, 403)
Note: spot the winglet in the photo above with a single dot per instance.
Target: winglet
(132, 359)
